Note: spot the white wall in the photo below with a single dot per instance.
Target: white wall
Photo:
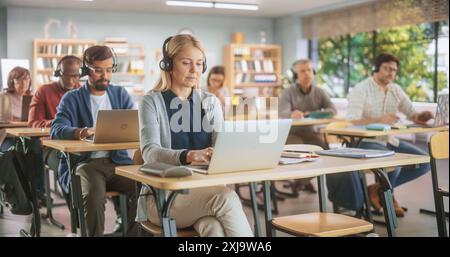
(25, 24)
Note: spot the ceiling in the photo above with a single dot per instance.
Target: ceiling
(267, 8)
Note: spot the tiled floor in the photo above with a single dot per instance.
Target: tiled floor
(414, 195)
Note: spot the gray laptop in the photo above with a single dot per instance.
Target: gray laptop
(442, 113)
(245, 148)
(116, 126)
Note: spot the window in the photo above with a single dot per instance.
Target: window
(346, 60)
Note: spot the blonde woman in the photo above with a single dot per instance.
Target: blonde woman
(172, 132)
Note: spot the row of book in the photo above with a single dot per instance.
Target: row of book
(255, 53)
(131, 66)
(63, 49)
(256, 78)
(119, 44)
(257, 66)
(125, 66)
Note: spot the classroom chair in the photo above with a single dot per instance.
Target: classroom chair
(438, 148)
(154, 229)
(321, 224)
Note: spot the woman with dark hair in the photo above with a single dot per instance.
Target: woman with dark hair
(215, 80)
(19, 84)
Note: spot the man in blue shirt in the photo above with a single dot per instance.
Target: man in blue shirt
(75, 119)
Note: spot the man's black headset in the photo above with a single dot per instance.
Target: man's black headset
(294, 73)
(85, 69)
(166, 64)
(58, 71)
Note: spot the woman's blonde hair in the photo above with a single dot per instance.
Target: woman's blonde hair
(173, 47)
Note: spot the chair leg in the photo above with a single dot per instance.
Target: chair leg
(123, 211)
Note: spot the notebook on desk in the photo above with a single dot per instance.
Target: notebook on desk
(356, 153)
(236, 150)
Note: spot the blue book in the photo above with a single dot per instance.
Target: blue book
(356, 153)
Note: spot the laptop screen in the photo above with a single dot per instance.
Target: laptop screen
(26, 100)
(442, 111)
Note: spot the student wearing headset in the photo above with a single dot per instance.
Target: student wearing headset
(75, 118)
(19, 84)
(43, 110)
(297, 102)
(378, 99)
(177, 126)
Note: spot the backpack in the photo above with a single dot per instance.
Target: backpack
(14, 186)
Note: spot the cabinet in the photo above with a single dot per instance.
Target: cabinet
(130, 66)
(252, 69)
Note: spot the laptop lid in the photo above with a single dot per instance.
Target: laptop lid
(5, 108)
(116, 126)
(26, 100)
(248, 145)
(442, 111)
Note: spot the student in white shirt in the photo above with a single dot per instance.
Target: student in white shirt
(378, 99)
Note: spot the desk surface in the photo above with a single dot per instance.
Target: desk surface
(295, 122)
(361, 132)
(78, 146)
(311, 122)
(14, 124)
(28, 132)
(324, 165)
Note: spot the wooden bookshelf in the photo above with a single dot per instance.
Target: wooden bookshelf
(130, 67)
(252, 66)
(48, 52)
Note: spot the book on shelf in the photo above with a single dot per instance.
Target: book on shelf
(257, 65)
(244, 66)
(265, 78)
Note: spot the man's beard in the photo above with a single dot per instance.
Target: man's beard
(99, 87)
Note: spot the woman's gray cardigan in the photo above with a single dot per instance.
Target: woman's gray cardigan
(155, 136)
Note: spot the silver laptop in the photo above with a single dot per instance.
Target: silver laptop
(116, 126)
(240, 147)
(442, 113)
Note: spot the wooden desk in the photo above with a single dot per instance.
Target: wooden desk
(295, 122)
(356, 134)
(324, 165)
(79, 146)
(28, 132)
(14, 124)
(312, 122)
(69, 148)
(362, 132)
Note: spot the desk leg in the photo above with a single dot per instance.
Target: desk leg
(77, 201)
(252, 186)
(270, 232)
(368, 213)
(321, 191)
(386, 201)
(49, 214)
(35, 229)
